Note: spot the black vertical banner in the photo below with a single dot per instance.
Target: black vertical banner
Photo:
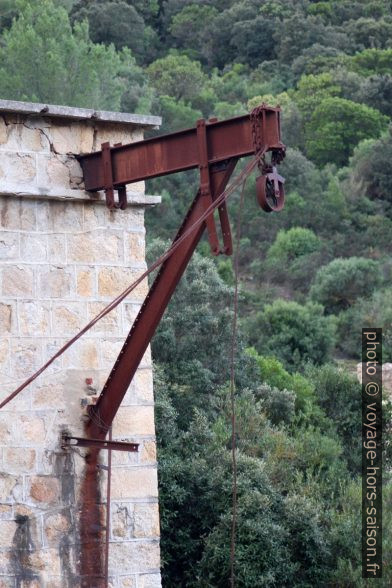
(371, 453)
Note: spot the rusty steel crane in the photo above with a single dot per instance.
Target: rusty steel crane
(214, 147)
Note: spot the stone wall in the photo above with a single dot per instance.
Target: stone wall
(61, 262)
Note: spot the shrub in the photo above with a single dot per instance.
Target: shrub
(340, 283)
(294, 333)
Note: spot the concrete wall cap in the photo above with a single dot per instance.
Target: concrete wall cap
(71, 112)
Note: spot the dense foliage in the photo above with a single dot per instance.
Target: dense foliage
(311, 276)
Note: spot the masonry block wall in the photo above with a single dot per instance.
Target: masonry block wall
(63, 256)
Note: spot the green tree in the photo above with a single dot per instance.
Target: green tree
(338, 284)
(312, 90)
(369, 33)
(293, 333)
(376, 91)
(365, 312)
(337, 126)
(8, 11)
(176, 76)
(43, 59)
(193, 22)
(272, 372)
(291, 244)
(294, 257)
(370, 171)
(176, 115)
(339, 395)
(312, 31)
(371, 62)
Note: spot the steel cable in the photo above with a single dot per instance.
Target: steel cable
(233, 353)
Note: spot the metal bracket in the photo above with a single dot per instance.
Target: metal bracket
(108, 180)
(69, 442)
(205, 186)
(207, 193)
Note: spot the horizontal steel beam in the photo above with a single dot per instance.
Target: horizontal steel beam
(69, 441)
(167, 154)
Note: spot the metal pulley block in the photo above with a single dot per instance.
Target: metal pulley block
(270, 190)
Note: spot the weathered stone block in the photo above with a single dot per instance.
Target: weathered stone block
(18, 281)
(33, 247)
(71, 138)
(30, 428)
(3, 131)
(44, 489)
(100, 217)
(5, 428)
(114, 280)
(7, 530)
(146, 520)
(60, 217)
(110, 349)
(135, 248)
(46, 559)
(134, 420)
(68, 318)
(55, 526)
(56, 248)
(55, 281)
(148, 452)
(11, 487)
(110, 324)
(130, 311)
(113, 133)
(122, 520)
(83, 354)
(19, 459)
(49, 396)
(129, 582)
(134, 556)
(18, 168)
(17, 214)
(9, 246)
(22, 401)
(21, 137)
(53, 171)
(5, 511)
(134, 483)
(4, 355)
(149, 581)
(6, 311)
(8, 582)
(144, 386)
(26, 357)
(85, 282)
(96, 246)
(34, 318)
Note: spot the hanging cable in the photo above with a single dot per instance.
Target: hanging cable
(215, 204)
(233, 353)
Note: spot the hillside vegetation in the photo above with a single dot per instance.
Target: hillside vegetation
(311, 276)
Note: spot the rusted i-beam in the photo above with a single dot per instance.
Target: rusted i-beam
(175, 152)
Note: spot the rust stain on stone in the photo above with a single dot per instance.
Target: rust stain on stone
(92, 569)
(22, 549)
